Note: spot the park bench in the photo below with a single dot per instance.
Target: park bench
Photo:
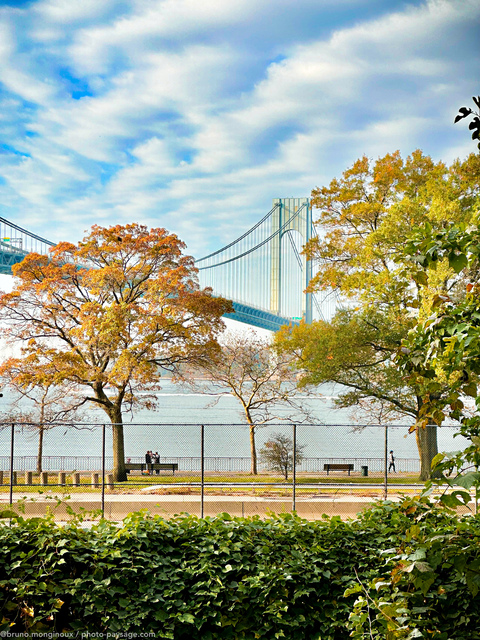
(154, 466)
(338, 466)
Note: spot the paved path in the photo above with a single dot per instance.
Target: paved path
(118, 506)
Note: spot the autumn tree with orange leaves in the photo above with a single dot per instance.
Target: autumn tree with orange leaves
(110, 315)
(365, 218)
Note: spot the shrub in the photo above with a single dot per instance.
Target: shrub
(429, 586)
(277, 454)
(232, 578)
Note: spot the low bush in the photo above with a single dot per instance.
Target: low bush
(429, 585)
(238, 578)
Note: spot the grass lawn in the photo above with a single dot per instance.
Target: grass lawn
(182, 483)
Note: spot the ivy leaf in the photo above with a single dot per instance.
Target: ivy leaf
(470, 389)
(457, 261)
(187, 617)
(8, 513)
(423, 567)
(468, 480)
(463, 112)
(421, 278)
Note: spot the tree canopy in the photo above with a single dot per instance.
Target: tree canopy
(366, 217)
(110, 315)
(445, 345)
(441, 353)
(354, 350)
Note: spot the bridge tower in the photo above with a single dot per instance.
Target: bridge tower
(263, 271)
(290, 214)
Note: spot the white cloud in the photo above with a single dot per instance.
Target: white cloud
(167, 87)
(147, 27)
(71, 11)
(194, 115)
(15, 74)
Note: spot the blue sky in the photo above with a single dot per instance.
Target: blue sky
(193, 114)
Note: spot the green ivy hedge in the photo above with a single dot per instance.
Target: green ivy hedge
(398, 570)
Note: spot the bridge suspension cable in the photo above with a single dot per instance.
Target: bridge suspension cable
(252, 249)
(24, 232)
(264, 267)
(16, 243)
(247, 233)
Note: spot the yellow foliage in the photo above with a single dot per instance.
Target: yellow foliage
(109, 315)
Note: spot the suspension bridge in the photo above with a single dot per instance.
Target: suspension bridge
(263, 271)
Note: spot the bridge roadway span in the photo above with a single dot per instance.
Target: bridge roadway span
(11, 254)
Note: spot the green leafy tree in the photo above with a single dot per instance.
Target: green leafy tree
(108, 316)
(357, 352)
(441, 354)
(474, 126)
(277, 454)
(366, 216)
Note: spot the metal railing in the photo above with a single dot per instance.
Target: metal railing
(203, 472)
(219, 464)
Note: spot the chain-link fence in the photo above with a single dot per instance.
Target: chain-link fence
(209, 469)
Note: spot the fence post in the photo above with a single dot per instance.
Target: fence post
(385, 488)
(294, 477)
(202, 468)
(28, 477)
(103, 470)
(12, 446)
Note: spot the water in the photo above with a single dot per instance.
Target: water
(184, 411)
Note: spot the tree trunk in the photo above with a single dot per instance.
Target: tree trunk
(253, 447)
(427, 449)
(41, 430)
(253, 451)
(427, 446)
(119, 473)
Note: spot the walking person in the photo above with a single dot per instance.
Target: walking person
(391, 460)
